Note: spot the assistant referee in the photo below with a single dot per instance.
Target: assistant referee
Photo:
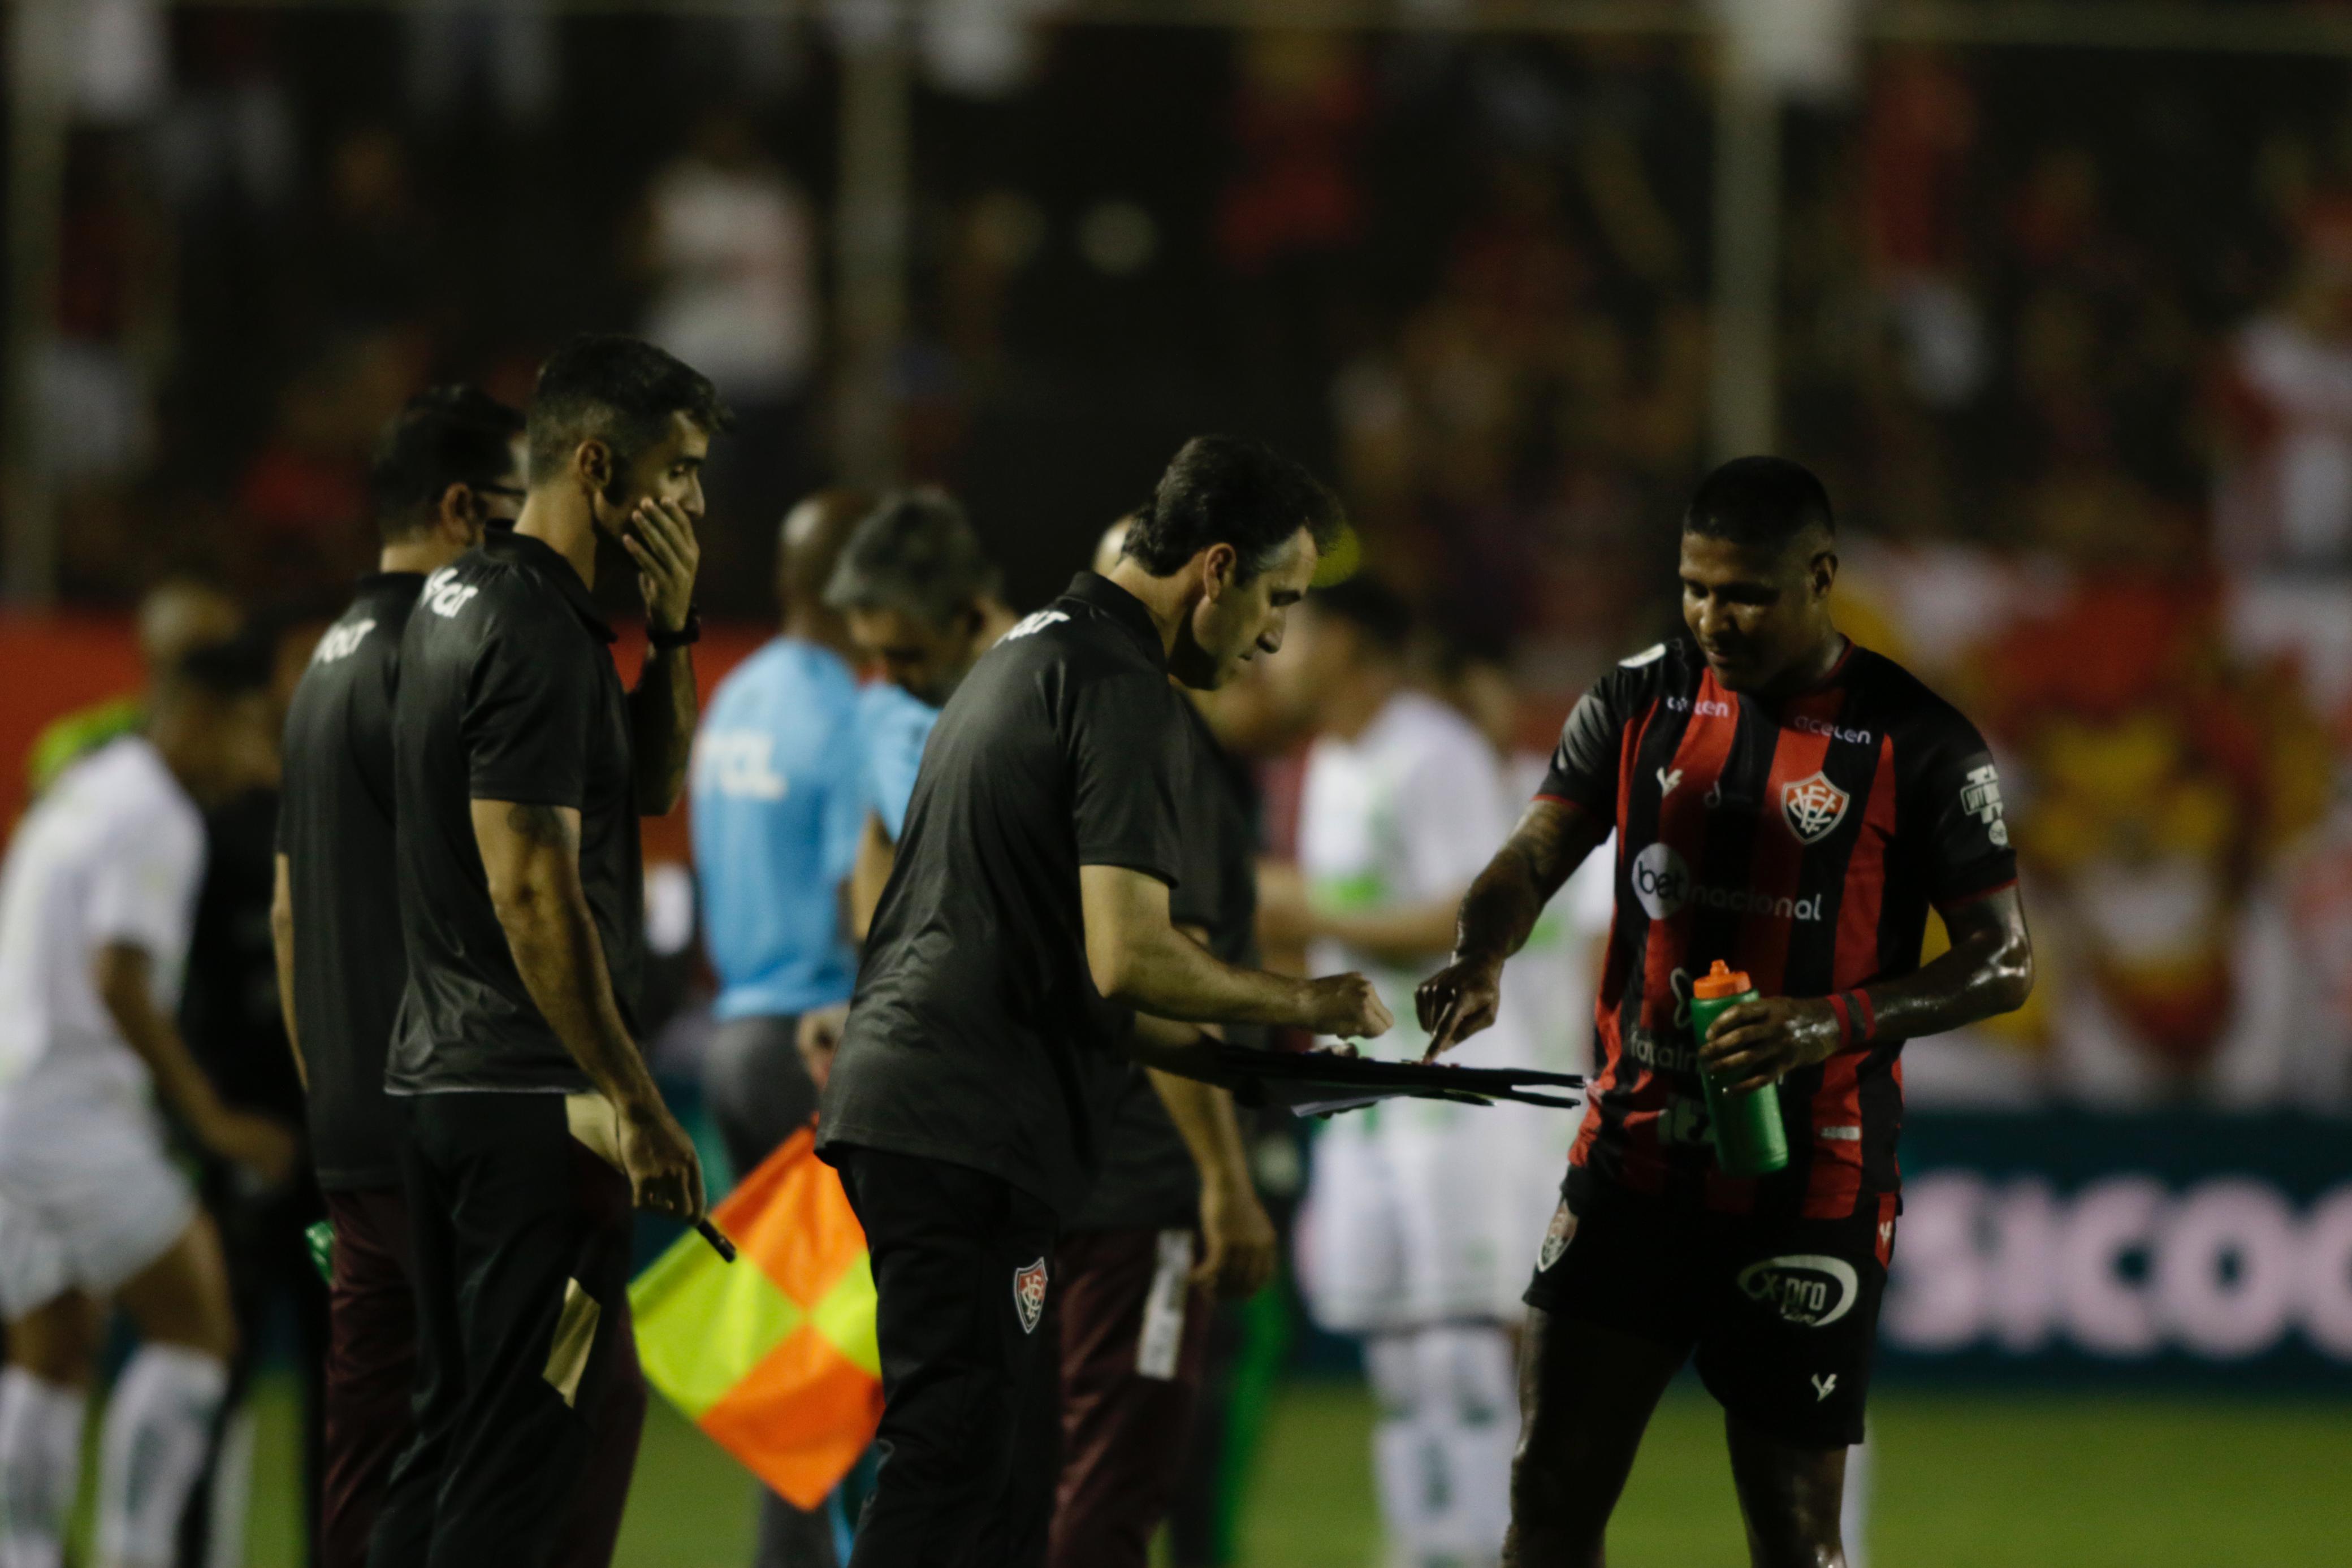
(1023, 929)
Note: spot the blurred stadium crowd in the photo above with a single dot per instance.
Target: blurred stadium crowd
(2072, 347)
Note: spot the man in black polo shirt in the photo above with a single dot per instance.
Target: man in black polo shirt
(450, 465)
(1023, 930)
(1132, 1303)
(520, 769)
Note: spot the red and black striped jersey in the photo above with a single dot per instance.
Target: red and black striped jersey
(1802, 843)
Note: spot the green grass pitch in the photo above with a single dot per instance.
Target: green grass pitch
(1965, 1482)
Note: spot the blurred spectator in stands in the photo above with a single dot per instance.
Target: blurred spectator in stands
(2160, 782)
(373, 260)
(459, 47)
(2284, 498)
(302, 497)
(975, 49)
(121, 60)
(1292, 212)
(228, 135)
(1299, 115)
(97, 376)
(749, 57)
(1918, 134)
(729, 244)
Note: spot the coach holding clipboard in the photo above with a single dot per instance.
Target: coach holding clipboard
(1023, 935)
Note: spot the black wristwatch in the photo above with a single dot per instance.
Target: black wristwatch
(689, 633)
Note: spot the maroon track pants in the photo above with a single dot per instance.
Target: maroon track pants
(371, 1366)
(1134, 1339)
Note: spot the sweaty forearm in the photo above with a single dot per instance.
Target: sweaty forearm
(1500, 911)
(561, 961)
(662, 712)
(1167, 973)
(1985, 972)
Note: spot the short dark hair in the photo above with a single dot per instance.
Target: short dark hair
(442, 436)
(1766, 501)
(1221, 489)
(1374, 609)
(619, 389)
(918, 552)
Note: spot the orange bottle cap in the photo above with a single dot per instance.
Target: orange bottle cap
(1720, 982)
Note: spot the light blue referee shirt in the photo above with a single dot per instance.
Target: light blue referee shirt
(893, 726)
(779, 802)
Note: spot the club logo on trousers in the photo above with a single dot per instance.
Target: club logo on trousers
(1555, 1238)
(1806, 1289)
(1029, 1294)
(1813, 807)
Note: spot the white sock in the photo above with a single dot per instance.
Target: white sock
(1449, 1422)
(232, 1498)
(40, 1465)
(1474, 1420)
(1853, 1517)
(1404, 1470)
(157, 1425)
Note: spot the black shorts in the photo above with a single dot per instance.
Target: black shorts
(1782, 1312)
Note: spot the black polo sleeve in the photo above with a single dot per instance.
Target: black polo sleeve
(1584, 765)
(530, 707)
(1949, 803)
(1130, 759)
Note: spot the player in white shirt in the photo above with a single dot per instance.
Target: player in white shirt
(96, 899)
(1419, 1228)
(1559, 968)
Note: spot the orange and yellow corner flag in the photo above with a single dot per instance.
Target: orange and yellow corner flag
(772, 1355)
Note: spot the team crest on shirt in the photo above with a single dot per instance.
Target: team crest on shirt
(1029, 1294)
(1813, 807)
(1556, 1239)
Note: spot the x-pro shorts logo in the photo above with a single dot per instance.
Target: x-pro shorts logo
(1806, 1287)
(1029, 1294)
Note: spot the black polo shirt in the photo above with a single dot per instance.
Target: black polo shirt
(976, 1035)
(334, 828)
(1148, 1181)
(507, 692)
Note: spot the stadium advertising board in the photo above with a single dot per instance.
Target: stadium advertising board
(2192, 1249)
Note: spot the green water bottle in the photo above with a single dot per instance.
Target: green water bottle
(1748, 1139)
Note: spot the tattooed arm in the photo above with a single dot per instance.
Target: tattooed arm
(532, 856)
(1497, 914)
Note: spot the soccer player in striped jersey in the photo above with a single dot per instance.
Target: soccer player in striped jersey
(1794, 805)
